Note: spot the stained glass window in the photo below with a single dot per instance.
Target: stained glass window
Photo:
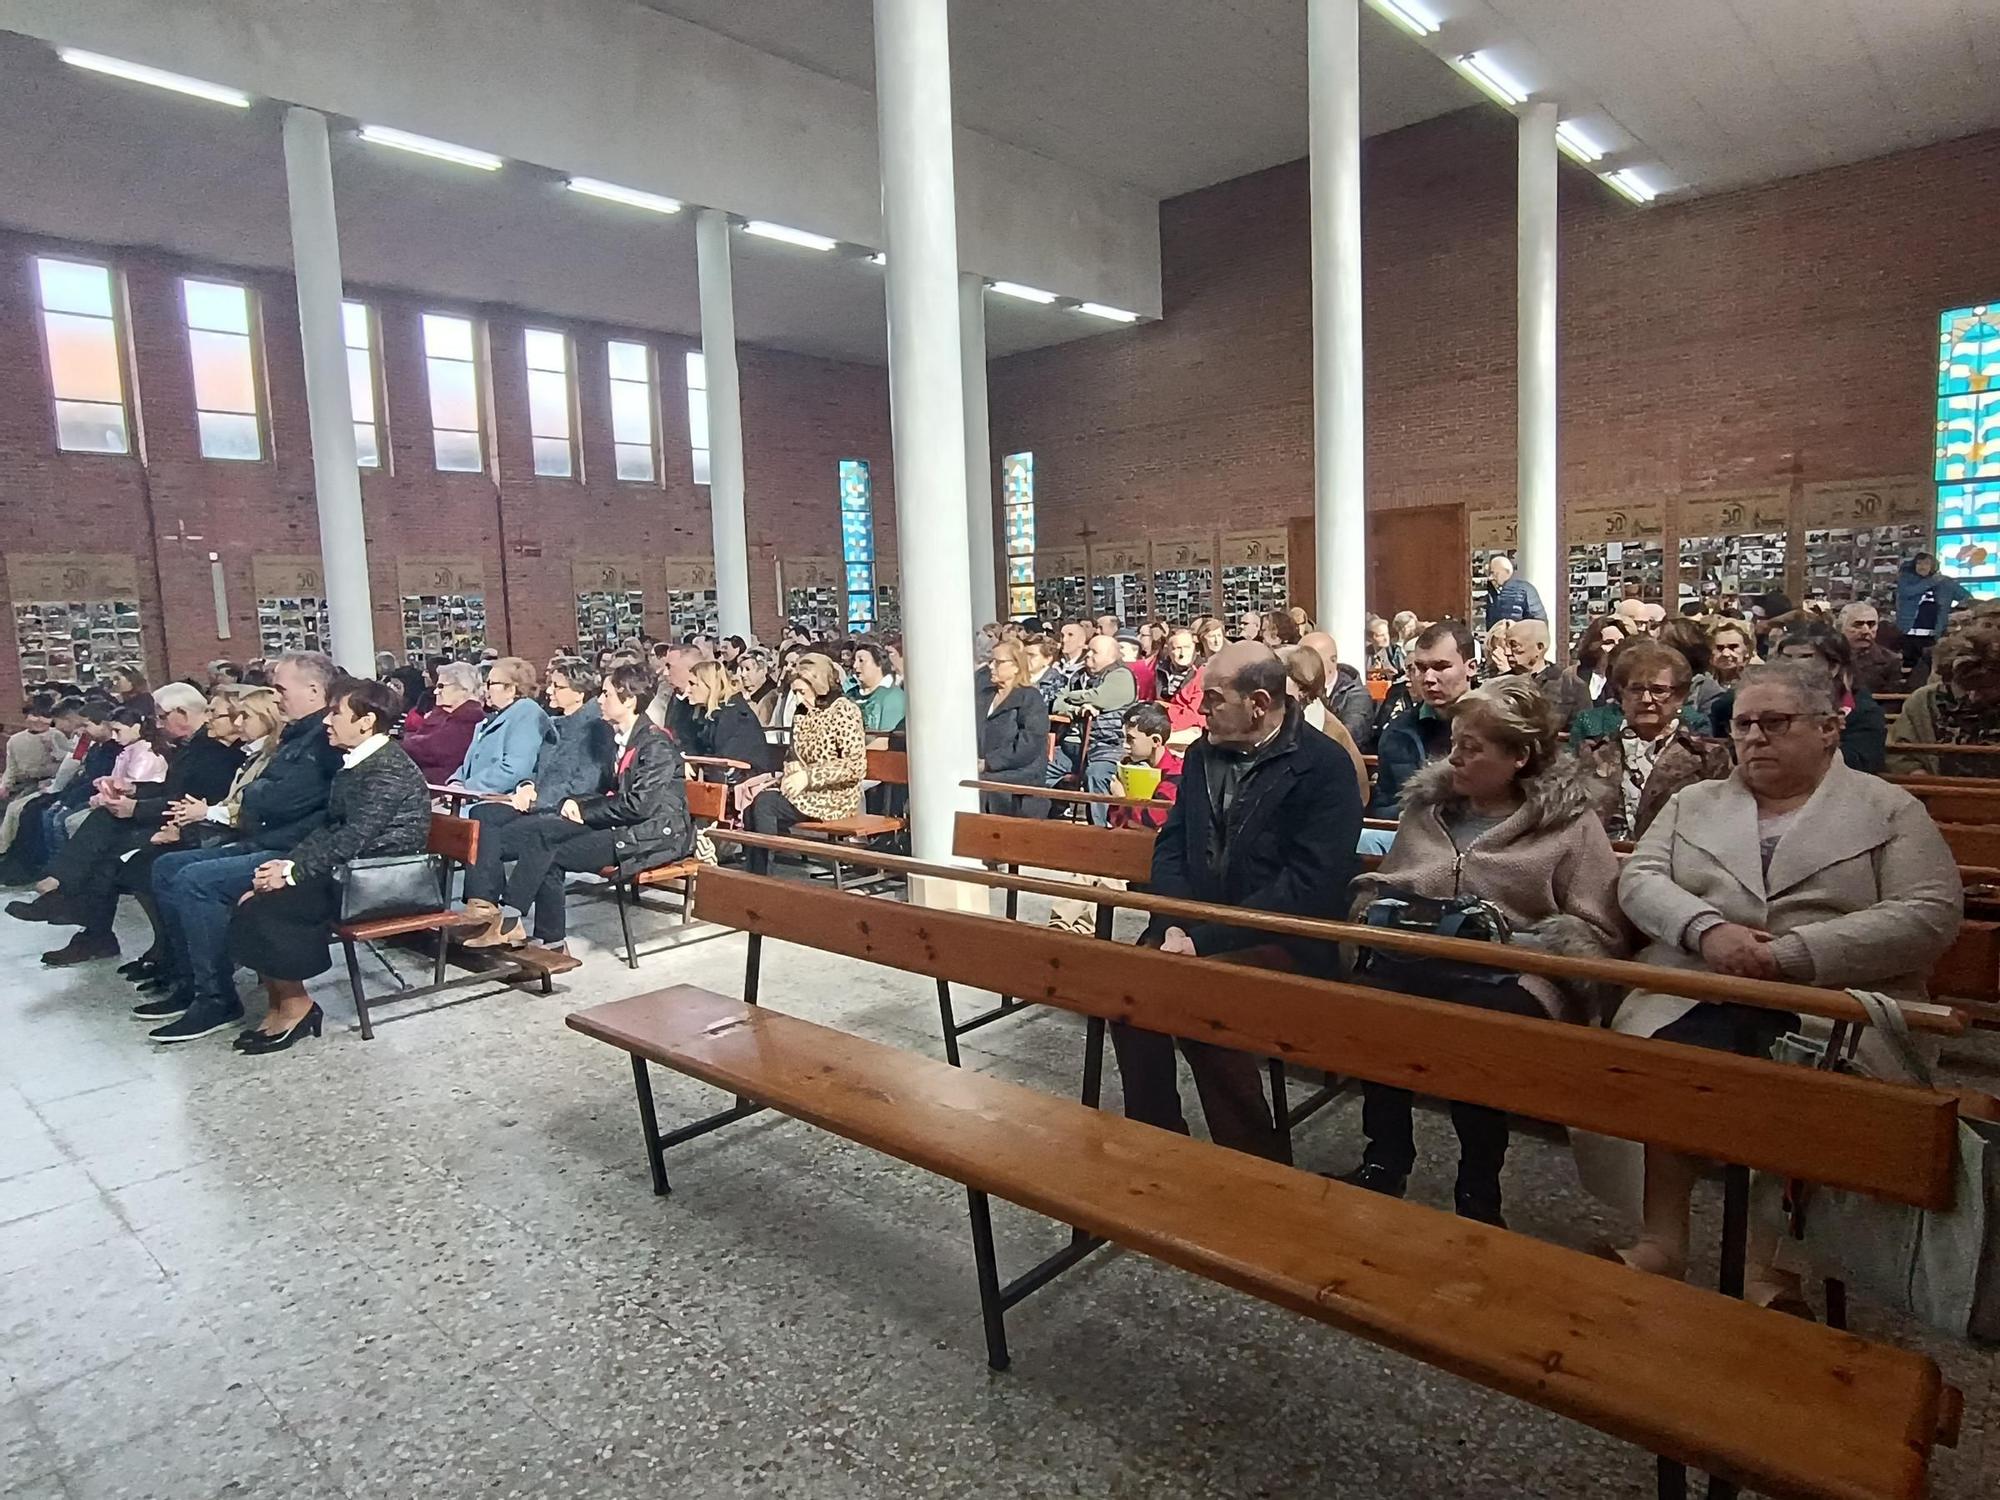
(1017, 497)
(1968, 447)
(857, 541)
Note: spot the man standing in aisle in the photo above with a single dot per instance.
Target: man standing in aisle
(1508, 597)
(1266, 819)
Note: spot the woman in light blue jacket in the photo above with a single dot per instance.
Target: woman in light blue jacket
(508, 741)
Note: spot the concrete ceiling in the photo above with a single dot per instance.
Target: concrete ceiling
(1164, 95)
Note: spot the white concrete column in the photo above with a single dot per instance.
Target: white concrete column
(1538, 556)
(978, 451)
(725, 424)
(927, 408)
(1340, 514)
(343, 546)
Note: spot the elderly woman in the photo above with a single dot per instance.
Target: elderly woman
(1507, 819)
(437, 741)
(1588, 683)
(1795, 867)
(378, 805)
(1731, 648)
(1013, 734)
(826, 759)
(1497, 659)
(508, 742)
(1960, 705)
(1639, 748)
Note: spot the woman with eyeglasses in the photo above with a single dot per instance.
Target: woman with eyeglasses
(1794, 867)
(1639, 748)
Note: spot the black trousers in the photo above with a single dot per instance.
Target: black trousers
(774, 813)
(1482, 1131)
(1230, 1085)
(545, 849)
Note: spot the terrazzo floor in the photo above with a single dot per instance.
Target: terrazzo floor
(429, 1265)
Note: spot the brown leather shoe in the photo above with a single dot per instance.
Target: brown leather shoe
(509, 935)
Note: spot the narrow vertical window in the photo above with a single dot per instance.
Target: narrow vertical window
(697, 383)
(857, 541)
(551, 403)
(456, 434)
(85, 356)
(1017, 499)
(1968, 448)
(223, 353)
(357, 325)
(634, 425)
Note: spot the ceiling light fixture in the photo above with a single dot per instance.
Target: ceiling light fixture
(1577, 146)
(1407, 14)
(768, 231)
(878, 259)
(1025, 293)
(1100, 310)
(611, 192)
(1632, 185)
(117, 67)
(423, 145)
(1491, 78)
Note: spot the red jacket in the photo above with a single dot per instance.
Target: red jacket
(1169, 790)
(1145, 678)
(1184, 708)
(436, 741)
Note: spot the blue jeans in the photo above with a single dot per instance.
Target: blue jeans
(195, 891)
(1375, 841)
(1100, 774)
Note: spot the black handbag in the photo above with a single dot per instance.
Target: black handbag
(389, 885)
(1399, 910)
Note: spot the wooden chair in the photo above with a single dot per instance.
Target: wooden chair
(456, 841)
(891, 768)
(1753, 1397)
(708, 802)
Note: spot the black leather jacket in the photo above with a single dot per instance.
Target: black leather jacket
(647, 804)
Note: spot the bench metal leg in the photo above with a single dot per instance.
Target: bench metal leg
(620, 889)
(1836, 1303)
(1673, 1480)
(649, 1122)
(357, 989)
(951, 1026)
(753, 960)
(1093, 1060)
(1735, 1255)
(992, 1311)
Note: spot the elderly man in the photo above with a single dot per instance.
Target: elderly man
(1876, 667)
(1508, 597)
(1347, 696)
(1266, 819)
(1095, 736)
(670, 708)
(1639, 616)
(1528, 643)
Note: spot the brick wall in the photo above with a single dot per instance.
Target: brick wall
(801, 417)
(1779, 335)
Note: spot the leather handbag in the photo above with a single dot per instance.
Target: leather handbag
(389, 885)
(1940, 1266)
(1399, 910)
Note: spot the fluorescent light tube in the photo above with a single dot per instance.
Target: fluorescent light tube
(1025, 293)
(768, 231)
(1573, 143)
(1115, 314)
(1482, 70)
(1632, 185)
(611, 192)
(878, 259)
(1407, 14)
(117, 67)
(423, 145)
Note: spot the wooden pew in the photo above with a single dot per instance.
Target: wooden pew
(892, 768)
(456, 841)
(708, 802)
(1755, 1398)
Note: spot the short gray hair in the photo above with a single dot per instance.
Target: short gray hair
(178, 697)
(459, 674)
(1849, 611)
(1807, 681)
(314, 664)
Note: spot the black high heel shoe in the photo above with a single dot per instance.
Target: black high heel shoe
(258, 1045)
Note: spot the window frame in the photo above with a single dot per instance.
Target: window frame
(702, 457)
(480, 415)
(121, 351)
(377, 384)
(656, 426)
(572, 409)
(260, 391)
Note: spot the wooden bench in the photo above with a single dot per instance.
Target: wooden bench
(708, 802)
(889, 767)
(456, 842)
(1754, 1397)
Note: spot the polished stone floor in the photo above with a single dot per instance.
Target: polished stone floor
(429, 1265)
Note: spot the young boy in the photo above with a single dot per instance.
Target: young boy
(1147, 729)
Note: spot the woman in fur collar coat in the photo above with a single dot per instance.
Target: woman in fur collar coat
(1506, 819)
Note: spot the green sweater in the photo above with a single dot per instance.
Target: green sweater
(881, 710)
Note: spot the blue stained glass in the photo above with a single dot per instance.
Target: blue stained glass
(1963, 506)
(861, 609)
(860, 578)
(1968, 351)
(1971, 554)
(1968, 419)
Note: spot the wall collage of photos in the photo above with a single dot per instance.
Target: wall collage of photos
(291, 605)
(75, 617)
(443, 606)
(610, 603)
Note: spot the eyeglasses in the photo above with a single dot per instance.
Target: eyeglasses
(1772, 726)
(1664, 691)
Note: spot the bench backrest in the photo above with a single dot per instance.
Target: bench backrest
(1888, 1140)
(1951, 804)
(455, 839)
(1973, 843)
(892, 766)
(1970, 968)
(1055, 844)
(708, 800)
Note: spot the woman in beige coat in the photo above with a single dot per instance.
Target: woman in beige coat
(1793, 868)
(1509, 820)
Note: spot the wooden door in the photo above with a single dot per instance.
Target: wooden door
(1302, 565)
(1417, 561)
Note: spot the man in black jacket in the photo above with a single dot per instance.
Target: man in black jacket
(1267, 819)
(641, 822)
(196, 891)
